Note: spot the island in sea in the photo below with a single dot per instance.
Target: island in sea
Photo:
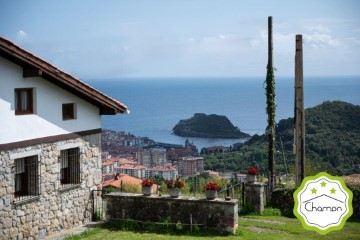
(208, 126)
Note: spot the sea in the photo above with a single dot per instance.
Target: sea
(157, 104)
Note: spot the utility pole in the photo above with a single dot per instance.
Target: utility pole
(270, 109)
(299, 118)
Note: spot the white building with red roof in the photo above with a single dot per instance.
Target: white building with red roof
(50, 153)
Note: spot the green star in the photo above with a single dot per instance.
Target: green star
(332, 191)
(313, 191)
(323, 184)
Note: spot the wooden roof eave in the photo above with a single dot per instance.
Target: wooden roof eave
(33, 69)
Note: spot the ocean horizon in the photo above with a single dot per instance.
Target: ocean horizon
(157, 104)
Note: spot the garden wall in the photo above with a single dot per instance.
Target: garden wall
(218, 214)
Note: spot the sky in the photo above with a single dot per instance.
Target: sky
(185, 38)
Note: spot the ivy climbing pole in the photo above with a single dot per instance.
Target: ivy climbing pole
(270, 109)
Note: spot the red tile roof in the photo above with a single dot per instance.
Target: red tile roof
(129, 166)
(162, 168)
(28, 61)
(125, 179)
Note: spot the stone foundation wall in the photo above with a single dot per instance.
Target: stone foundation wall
(216, 214)
(54, 209)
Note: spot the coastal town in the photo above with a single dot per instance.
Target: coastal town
(127, 158)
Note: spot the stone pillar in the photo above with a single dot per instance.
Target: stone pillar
(254, 195)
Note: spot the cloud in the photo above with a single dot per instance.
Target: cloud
(314, 40)
(318, 28)
(321, 40)
(21, 34)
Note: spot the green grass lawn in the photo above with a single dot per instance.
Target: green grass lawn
(250, 227)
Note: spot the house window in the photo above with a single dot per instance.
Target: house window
(23, 101)
(68, 111)
(69, 167)
(26, 178)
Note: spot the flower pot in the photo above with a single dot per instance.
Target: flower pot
(175, 192)
(211, 194)
(147, 191)
(251, 178)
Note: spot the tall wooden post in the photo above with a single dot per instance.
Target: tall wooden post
(299, 132)
(270, 94)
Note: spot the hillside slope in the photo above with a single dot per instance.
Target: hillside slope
(332, 143)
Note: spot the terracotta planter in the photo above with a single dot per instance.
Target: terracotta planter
(147, 191)
(251, 178)
(175, 192)
(211, 194)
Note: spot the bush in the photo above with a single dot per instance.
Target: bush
(269, 211)
(247, 209)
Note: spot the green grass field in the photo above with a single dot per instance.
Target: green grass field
(250, 227)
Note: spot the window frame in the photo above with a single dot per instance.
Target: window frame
(68, 111)
(27, 178)
(19, 100)
(70, 173)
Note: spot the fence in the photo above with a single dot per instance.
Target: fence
(236, 191)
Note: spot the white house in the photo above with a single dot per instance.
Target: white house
(50, 153)
(165, 172)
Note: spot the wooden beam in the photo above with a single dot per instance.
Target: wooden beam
(107, 111)
(299, 133)
(31, 72)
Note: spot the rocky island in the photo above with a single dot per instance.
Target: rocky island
(208, 126)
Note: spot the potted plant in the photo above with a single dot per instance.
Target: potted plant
(211, 190)
(174, 186)
(251, 174)
(147, 186)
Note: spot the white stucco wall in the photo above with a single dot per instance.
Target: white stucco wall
(47, 118)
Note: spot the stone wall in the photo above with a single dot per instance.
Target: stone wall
(218, 214)
(54, 209)
(284, 200)
(255, 195)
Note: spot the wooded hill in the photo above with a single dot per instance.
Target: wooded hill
(332, 143)
(208, 126)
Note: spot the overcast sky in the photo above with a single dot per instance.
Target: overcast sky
(185, 38)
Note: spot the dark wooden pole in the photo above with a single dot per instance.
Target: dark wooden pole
(270, 42)
(299, 119)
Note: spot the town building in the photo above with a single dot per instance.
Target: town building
(215, 149)
(109, 165)
(190, 166)
(133, 170)
(212, 174)
(241, 177)
(152, 157)
(165, 172)
(50, 155)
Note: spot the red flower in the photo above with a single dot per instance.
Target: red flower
(211, 186)
(175, 183)
(252, 171)
(148, 182)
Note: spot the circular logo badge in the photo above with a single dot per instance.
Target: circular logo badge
(323, 203)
